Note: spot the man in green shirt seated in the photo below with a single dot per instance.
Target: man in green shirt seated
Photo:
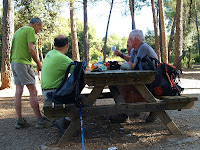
(53, 69)
(22, 53)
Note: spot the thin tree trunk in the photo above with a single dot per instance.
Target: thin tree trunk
(86, 50)
(132, 10)
(8, 30)
(40, 49)
(179, 34)
(155, 20)
(75, 50)
(189, 58)
(160, 36)
(197, 26)
(104, 49)
(189, 21)
(164, 47)
(171, 39)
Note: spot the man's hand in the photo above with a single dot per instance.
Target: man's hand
(132, 65)
(39, 66)
(117, 53)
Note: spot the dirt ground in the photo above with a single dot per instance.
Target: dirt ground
(99, 133)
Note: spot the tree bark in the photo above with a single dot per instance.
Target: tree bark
(8, 30)
(132, 10)
(75, 50)
(155, 20)
(86, 50)
(164, 47)
(179, 34)
(197, 26)
(171, 39)
(104, 49)
(189, 21)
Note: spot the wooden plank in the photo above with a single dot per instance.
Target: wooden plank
(103, 95)
(70, 131)
(168, 123)
(116, 80)
(178, 98)
(116, 95)
(146, 93)
(108, 110)
(92, 97)
(120, 73)
(161, 114)
(119, 77)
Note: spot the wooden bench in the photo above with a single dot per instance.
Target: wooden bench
(163, 103)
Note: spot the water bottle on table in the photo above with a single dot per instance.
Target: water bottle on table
(100, 61)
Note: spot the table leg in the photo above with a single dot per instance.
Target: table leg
(116, 95)
(92, 97)
(70, 131)
(161, 114)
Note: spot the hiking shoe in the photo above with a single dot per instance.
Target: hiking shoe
(62, 124)
(21, 123)
(151, 118)
(121, 118)
(43, 122)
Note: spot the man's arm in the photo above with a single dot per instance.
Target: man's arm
(34, 56)
(119, 53)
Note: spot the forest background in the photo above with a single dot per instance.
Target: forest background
(51, 13)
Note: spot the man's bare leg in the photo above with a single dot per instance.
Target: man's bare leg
(34, 100)
(17, 101)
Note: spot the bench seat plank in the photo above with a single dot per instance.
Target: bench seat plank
(107, 110)
(181, 98)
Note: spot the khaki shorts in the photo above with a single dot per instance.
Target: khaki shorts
(23, 74)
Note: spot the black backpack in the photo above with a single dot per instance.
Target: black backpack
(166, 83)
(147, 63)
(70, 87)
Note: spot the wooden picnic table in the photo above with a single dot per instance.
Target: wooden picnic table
(112, 79)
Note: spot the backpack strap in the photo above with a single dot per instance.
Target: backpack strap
(66, 74)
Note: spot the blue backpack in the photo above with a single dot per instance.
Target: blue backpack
(70, 87)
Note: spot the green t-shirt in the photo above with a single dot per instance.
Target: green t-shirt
(19, 49)
(53, 69)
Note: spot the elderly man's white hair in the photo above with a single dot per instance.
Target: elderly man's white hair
(137, 34)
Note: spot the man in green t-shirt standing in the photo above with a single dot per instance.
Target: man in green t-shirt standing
(53, 70)
(22, 53)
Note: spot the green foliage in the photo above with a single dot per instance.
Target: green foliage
(197, 58)
(150, 39)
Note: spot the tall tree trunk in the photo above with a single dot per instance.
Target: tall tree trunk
(160, 36)
(132, 10)
(171, 38)
(197, 25)
(104, 49)
(189, 21)
(86, 50)
(179, 34)
(75, 50)
(155, 20)
(8, 30)
(164, 47)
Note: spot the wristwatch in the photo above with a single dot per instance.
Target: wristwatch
(122, 55)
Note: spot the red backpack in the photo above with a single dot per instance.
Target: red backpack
(166, 82)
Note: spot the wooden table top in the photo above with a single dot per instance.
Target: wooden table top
(119, 77)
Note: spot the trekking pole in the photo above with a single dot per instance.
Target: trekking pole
(82, 135)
